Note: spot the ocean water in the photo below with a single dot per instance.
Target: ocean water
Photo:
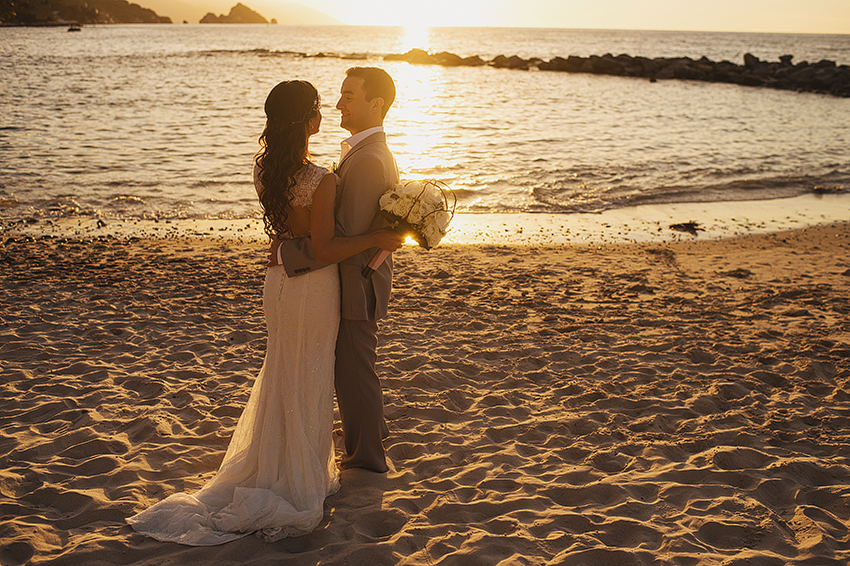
(162, 121)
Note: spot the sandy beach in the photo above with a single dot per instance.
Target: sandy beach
(676, 402)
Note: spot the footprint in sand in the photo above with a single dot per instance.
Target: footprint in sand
(15, 554)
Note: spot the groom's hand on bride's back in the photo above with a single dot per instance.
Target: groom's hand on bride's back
(386, 239)
(274, 259)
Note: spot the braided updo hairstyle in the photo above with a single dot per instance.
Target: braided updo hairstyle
(283, 148)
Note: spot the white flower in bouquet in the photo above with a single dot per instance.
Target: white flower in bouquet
(412, 189)
(420, 207)
(442, 219)
(432, 234)
(415, 215)
(433, 198)
(401, 207)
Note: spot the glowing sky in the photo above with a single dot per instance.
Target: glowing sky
(800, 16)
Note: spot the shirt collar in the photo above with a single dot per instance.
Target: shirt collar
(359, 137)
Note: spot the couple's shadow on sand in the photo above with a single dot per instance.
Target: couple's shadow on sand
(359, 513)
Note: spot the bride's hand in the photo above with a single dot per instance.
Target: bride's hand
(388, 239)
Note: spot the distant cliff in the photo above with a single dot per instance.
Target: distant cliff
(239, 14)
(36, 12)
(285, 12)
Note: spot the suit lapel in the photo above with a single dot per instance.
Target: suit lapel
(376, 137)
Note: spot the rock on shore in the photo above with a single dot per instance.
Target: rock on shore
(825, 77)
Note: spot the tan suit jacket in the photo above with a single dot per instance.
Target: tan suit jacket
(365, 173)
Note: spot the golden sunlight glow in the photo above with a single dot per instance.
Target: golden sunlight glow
(416, 124)
(416, 37)
(423, 14)
(819, 16)
(419, 15)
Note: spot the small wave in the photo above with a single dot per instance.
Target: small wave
(128, 199)
(255, 51)
(69, 209)
(65, 208)
(208, 183)
(131, 183)
(571, 195)
(8, 202)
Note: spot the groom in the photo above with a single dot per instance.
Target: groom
(366, 170)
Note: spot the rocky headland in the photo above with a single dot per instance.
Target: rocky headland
(239, 14)
(62, 12)
(825, 77)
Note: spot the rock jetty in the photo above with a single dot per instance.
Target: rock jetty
(824, 77)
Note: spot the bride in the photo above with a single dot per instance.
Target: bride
(279, 466)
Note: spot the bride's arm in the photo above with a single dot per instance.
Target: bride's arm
(327, 246)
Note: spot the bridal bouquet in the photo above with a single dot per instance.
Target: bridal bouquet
(420, 209)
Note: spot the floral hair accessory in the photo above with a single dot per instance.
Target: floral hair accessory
(314, 108)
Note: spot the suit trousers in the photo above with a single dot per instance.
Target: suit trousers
(359, 396)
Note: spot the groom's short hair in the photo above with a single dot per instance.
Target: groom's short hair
(376, 83)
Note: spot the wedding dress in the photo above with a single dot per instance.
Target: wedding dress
(280, 465)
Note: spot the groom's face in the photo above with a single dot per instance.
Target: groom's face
(358, 114)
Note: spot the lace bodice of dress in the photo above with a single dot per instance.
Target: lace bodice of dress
(306, 182)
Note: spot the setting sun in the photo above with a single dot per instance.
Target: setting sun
(416, 37)
(420, 15)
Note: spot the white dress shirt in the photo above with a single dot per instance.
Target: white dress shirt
(348, 144)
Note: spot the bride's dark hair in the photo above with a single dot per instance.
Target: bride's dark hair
(283, 148)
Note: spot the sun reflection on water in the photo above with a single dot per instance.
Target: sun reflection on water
(417, 124)
(423, 123)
